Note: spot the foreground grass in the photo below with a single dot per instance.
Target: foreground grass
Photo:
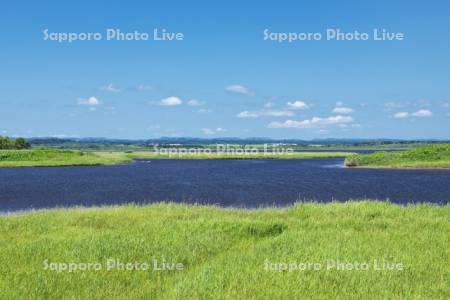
(224, 155)
(53, 157)
(224, 252)
(432, 156)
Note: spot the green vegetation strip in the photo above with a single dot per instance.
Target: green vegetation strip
(432, 156)
(57, 157)
(53, 157)
(250, 155)
(229, 253)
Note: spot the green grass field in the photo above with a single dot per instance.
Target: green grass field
(57, 157)
(259, 155)
(431, 156)
(228, 253)
(53, 157)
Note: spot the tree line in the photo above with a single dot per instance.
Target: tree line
(18, 143)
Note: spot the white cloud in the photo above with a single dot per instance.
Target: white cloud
(269, 105)
(422, 113)
(144, 87)
(204, 110)
(239, 89)
(339, 103)
(248, 114)
(279, 113)
(392, 105)
(170, 101)
(297, 105)
(210, 131)
(91, 101)
(323, 131)
(343, 110)
(110, 110)
(195, 102)
(63, 136)
(110, 88)
(401, 115)
(153, 127)
(265, 113)
(422, 103)
(312, 123)
(207, 131)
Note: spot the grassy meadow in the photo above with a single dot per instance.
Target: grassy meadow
(250, 155)
(58, 157)
(54, 157)
(228, 253)
(430, 156)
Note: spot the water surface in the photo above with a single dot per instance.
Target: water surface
(241, 183)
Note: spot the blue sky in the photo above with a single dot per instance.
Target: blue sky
(223, 78)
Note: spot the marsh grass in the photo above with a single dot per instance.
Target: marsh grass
(58, 157)
(224, 251)
(55, 157)
(219, 155)
(431, 156)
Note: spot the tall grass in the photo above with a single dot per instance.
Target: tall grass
(55, 157)
(249, 155)
(225, 252)
(431, 156)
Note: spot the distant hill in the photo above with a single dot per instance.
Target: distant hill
(229, 140)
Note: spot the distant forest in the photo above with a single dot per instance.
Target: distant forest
(18, 143)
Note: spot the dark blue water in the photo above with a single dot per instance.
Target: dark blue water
(242, 183)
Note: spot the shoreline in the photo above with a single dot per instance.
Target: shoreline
(121, 158)
(398, 168)
(243, 209)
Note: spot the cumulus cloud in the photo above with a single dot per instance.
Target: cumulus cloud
(401, 115)
(207, 131)
(210, 131)
(91, 101)
(153, 127)
(170, 101)
(422, 113)
(239, 89)
(343, 110)
(279, 113)
(248, 114)
(297, 105)
(313, 122)
(194, 102)
(265, 113)
(110, 88)
(144, 87)
(393, 105)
